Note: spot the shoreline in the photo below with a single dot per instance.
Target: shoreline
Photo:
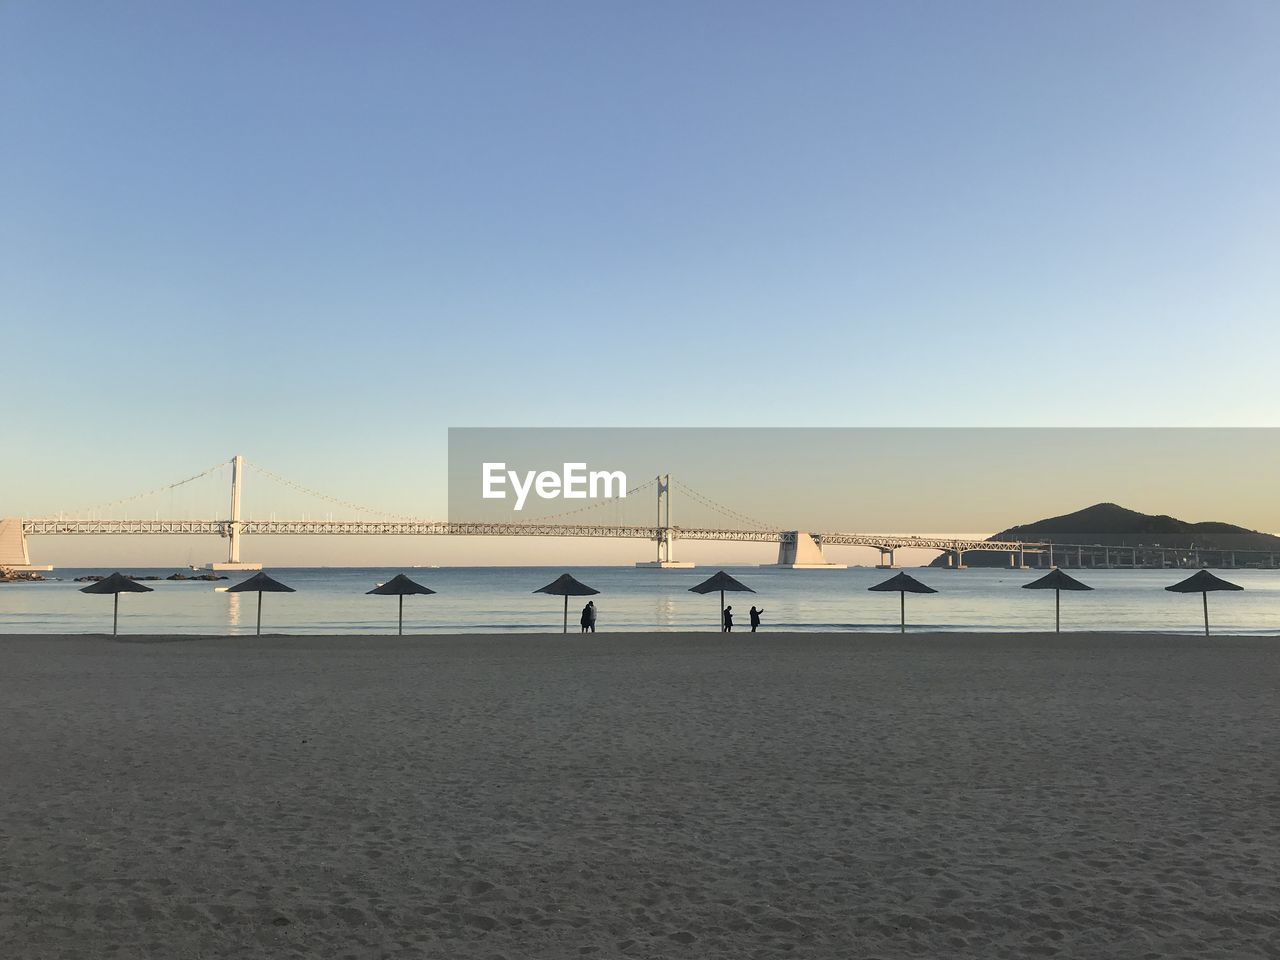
(687, 636)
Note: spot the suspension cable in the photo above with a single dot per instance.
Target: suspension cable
(151, 493)
(362, 508)
(720, 507)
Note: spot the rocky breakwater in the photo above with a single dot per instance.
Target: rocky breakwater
(9, 575)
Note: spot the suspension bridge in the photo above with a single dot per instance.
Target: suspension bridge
(797, 549)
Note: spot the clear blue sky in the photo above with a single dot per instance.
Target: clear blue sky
(320, 233)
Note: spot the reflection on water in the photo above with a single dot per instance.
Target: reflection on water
(233, 610)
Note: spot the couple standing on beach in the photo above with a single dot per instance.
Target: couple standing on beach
(727, 625)
(588, 618)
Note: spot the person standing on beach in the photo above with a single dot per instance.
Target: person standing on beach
(755, 618)
(585, 619)
(727, 626)
(589, 611)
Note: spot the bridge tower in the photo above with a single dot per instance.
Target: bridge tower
(666, 538)
(233, 526)
(233, 533)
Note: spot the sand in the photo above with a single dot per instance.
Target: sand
(640, 796)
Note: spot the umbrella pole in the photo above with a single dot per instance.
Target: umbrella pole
(722, 611)
(1057, 611)
(902, 604)
(259, 633)
(115, 616)
(401, 615)
(564, 627)
(1205, 596)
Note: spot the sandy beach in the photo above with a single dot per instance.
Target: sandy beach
(641, 796)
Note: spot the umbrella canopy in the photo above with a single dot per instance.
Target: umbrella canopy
(902, 584)
(115, 584)
(722, 582)
(1057, 581)
(567, 586)
(1203, 582)
(260, 583)
(400, 586)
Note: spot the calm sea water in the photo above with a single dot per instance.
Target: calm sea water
(501, 599)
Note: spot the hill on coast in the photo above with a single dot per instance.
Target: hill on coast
(1114, 525)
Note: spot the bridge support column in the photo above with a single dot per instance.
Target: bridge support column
(885, 564)
(959, 554)
(666, 538)
(233, 527)
(800, 550)
(666, 555)
(233, 552)
(14, 554)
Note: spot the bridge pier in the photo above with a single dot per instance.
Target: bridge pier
(14, 554)
(800, 550)
(883, 565)
(666, 559)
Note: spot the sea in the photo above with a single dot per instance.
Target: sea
(333, 600)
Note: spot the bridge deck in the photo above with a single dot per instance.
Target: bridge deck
(419, 528)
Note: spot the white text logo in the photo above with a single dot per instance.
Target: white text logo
(575, 483)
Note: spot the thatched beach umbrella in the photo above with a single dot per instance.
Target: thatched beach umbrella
(566, 586)
(260, 583)
(115, 584)
(1202, 582)
(721, 581)
(400, 586)
(1057, 581)
(903, 583)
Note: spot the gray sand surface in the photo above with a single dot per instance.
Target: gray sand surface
(640, 796)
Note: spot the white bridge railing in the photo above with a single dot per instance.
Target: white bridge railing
(429, 528)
